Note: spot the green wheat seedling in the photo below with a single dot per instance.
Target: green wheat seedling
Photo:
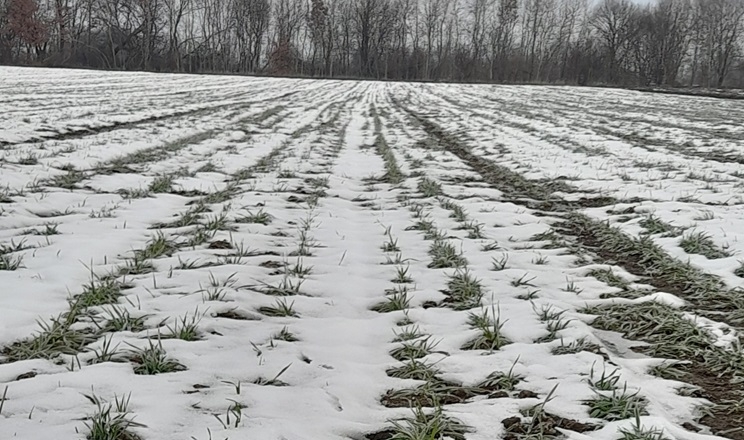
(475, 230)
(553, 327)
(524, 280)
(3, 399)
(259, 217)
(185, 219)
(670, 334)
(29, 159)
(402, 275)
(491, 246)
(55, 338)
(118, 319)
(209, 167)
(239, 251)
(572, 287)
(579, 345)
(701, 243)
(464, 290)
(285, 335)
(739, 271)
(531, 295)
(105, 212)
(97, 292)
(391, 245)
(134, 193)
(639, 432)
(319, 182)
(608, 277)
(418, 211)
(200, 236)
(47, 230)
(230, 281)
(190, 264)
(502, 381)
(158, 246)
(5, 195)
(547, 313)
(555, 241)
(233, 415)
(667, 370)
(211, 293)
(541, 424)
(457, 212)
(304, 243)
(67, 181)
(161, 184)
(185, 328)
(393, 174)
(107, 352)
(435, 234)
(606, 381)
(298, 269)
(10, 262)
(396, 259)
(414, 349)
(617, 406)
(275, 382)
(221, 196)
(111, 421)
(424, 225)
(654, 225)
(287, 286)
(153, 359)
(219, 222)
(408, 334)
(445, 255)
(499, 264)
(13, 247)
(136, 266)
(490, 327)
(398, 300)
(414, 369)
(423, 426)
(280, 309)
(429, 188)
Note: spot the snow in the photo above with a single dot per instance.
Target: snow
(336, 371)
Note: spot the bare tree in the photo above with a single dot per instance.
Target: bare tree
(613, 21)
(665, 42)
(719, 25)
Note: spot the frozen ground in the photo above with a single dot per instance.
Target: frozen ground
(208, 257)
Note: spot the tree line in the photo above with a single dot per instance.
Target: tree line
(617, 42)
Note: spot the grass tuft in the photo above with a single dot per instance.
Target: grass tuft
(444, 255)
(111, 421)
(617, 406)
(490, 326)
(464, 291)
(423, 426)
(153, 359)
(280, 309)
(397, 300)
(700, 243)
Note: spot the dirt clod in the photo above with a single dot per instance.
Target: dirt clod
(29, 375)
(220, 244)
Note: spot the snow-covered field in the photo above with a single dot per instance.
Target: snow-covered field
(210, 257)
